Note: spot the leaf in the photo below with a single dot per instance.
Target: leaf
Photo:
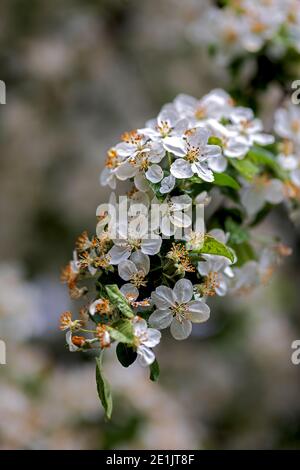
(117, 298)
(154, 371)
(103, 388)
(261, 156)
(121, 331)
(244, 253)
(245, 167)
(212, 246)
(237, 233)
(222, 179)
(213, 140)
(126, 355)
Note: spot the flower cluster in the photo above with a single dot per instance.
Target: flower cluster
(200, 176)
(238, 26)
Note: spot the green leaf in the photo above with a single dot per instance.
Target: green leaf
(245, 167)
(122, 331)
(213, 140)
(261, 156)
(237, 233)
(244, 253)
(125, 355)
(103, 388)
(117, 298)
(212, 246)
(154, 371)
(222, 179)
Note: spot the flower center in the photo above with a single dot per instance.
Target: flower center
(211, 283)
(179, 311)
(164, 128)
(138, 279)
(193, 153)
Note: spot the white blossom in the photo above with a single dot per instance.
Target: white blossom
(145, 339)
(175, 308)
(195, 156)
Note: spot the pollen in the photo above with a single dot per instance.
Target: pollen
(111, 159)
(103, 335)
(78, 341)
(179, 255)
(138, 279)
(69, 277)
(104, 307)
(211, 284)
(65, 320)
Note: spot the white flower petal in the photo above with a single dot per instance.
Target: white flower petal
(151, 246)
(141, 261)
(154, 174)
(153, 338)
(163, 297)
(181, 330)
(118, 253)
(167, 184)
(198, 311)
(183, 290)
(126, 270)
(274, 192)
(130, 292)
(161, 319)
(181, 169)
(146, 356)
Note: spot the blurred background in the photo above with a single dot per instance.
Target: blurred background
(79, 73)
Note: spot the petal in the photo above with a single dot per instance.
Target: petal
(167, 228)
(263, 139)
(181, 169)
(145, 356)
(130, 292)
(167, 184)
(203, 171)
(274, 191)
(181, 330)
(198, 311)
(118, 254)
(180, 219)
(154, 173)
(126, 270)
(252, 200)
(153, 338)
(163, 297)
(161, 319)
(141, 182)
(141, 261)
(218, 164)
(183, 290)
(125, 171)
(175, 145)
(151, 246)
(181, 202)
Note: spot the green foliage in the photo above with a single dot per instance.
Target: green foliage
(238, 234)
(154, 371)
(245, 168)
(121, 331)
(103, 388)
(118, 299)
(223, 179)
(212, 246)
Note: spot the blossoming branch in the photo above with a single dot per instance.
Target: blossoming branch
(138, 278)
